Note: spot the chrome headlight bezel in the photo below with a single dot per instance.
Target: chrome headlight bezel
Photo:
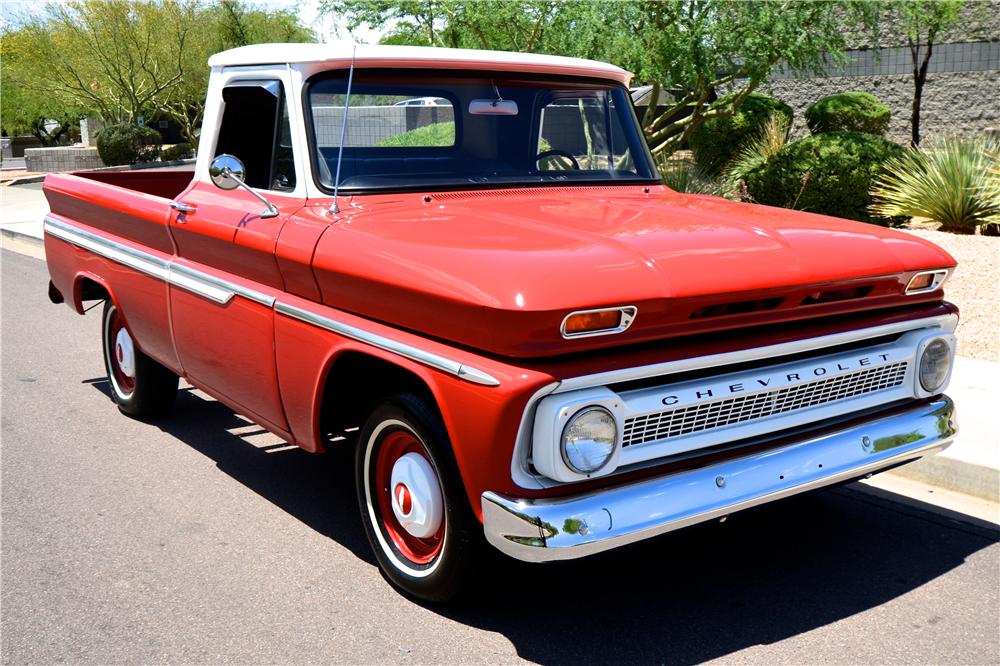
(552, 417)
(945, 357)
(919, 389)
(568, 458)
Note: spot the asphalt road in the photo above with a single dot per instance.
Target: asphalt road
(200, 539)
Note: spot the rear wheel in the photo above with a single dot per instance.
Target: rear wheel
(412, 502)
(140, 386)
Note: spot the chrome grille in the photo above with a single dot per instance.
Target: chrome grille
(716, 414)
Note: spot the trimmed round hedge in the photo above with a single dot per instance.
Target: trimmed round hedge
(829, 173)
(128, 144)
(849, 112)
(180, 151)
(717, 141)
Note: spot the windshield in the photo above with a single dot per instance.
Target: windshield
(416, 129)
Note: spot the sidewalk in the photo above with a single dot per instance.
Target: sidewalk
(971, 465)
(22, 209)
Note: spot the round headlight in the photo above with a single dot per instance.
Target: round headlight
(935, 363)
(589, 440)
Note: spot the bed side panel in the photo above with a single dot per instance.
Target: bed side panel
(127, 214)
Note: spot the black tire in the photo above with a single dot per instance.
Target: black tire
(143, 390)
(449, 574)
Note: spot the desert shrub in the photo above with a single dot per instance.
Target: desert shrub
(956, 183)
(757, 150)
(684, 176)
(830, 174)
(128, 144)
(180, 151)
(849, 112)
(717, 141)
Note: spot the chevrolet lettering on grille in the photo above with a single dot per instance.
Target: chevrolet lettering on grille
(686, 415)
(771, 381)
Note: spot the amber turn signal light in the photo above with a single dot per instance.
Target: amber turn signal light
(926, 281)
(598, 322)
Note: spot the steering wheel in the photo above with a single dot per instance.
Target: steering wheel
(557, 153)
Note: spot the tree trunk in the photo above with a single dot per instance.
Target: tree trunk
(919, 79)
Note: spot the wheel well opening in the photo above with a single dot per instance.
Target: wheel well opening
(90, 290)
(355, 384)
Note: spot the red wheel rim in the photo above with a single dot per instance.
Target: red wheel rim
(393, 446)
(124, 382)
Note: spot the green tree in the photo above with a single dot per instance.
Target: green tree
(24, 112)
(111, 56)
(122, 59)
(923, 22)
(692, 47)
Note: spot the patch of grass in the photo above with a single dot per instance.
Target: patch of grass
(436, 135)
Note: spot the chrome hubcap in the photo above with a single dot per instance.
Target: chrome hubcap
(125, 353)
(416, 496)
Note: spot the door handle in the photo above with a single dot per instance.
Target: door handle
(182, 207)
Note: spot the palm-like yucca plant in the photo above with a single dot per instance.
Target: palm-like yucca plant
(994, 185)
(772, 137)
(955, 184)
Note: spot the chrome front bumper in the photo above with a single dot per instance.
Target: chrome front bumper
(571, 527)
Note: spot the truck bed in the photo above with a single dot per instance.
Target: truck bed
(133, 205)
(157, 182)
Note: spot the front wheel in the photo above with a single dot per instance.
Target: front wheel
(140, 386)
(412, 502)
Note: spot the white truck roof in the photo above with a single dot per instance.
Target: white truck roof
(340, 54)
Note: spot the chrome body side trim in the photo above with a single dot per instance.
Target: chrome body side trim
(189, 282)
(222, 291)
(197, 282)
(945, 322)
(427, 358)
(109, 249)
(581, 525)
(628, 313)
(206, 282)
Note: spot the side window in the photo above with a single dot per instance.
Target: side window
(582, 132)
(256, 129)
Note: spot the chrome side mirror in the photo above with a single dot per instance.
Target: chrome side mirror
(228, 172)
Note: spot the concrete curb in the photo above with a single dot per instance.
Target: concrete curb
(942, 471)
(953, 474)
(22, 244)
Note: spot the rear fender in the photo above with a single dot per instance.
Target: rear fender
(81, 291)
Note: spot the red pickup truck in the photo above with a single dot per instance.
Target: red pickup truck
(464, 265)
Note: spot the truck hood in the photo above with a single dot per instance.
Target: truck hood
(499, 270)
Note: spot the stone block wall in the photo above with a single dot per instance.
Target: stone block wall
(61, 159)
(954, 104)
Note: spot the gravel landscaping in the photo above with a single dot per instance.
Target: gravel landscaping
(975, 288)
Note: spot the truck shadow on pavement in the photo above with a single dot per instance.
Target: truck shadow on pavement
(763, 576)
(316, 489)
